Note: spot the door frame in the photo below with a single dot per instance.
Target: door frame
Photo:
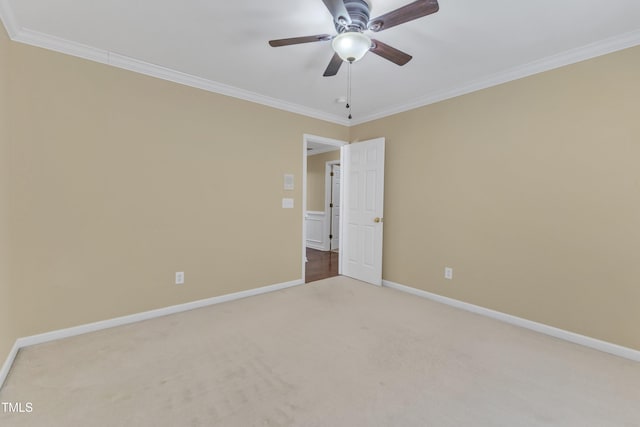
(306, 138)
(327, 195)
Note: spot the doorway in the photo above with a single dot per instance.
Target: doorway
(321, 207)
(360, 212)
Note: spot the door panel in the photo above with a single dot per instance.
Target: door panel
(363, 188)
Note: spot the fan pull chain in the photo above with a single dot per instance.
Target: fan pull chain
(349, 90)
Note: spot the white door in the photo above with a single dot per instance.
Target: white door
(362, 210)
(335, 208)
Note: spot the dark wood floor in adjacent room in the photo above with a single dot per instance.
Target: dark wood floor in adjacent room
(320, 265)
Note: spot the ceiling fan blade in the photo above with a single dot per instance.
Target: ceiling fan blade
(334, 66)
(391, 53)
(406, 13)
(338, 11)
(299, 40)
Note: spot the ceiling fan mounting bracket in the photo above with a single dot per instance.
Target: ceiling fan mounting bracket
(359, 13)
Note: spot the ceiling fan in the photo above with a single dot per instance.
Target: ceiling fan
(351, 19)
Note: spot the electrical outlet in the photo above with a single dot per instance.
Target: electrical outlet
(448, 273)
(180, 278)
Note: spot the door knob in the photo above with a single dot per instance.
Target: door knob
(377, 220)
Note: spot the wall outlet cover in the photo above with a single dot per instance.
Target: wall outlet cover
(448, 273)
(180, 278)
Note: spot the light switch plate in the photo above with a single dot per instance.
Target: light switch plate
(288, 182)
(287, 203)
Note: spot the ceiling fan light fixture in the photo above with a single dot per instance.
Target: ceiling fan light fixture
(351, 46)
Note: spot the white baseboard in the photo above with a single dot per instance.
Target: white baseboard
(315, 246)
(125, 320)
(607, 347)
(8, 362)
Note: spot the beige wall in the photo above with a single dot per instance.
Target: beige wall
(119, 180)
(530, 191)
(7, 333)
(316, 165)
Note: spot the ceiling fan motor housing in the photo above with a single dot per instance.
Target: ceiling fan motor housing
(359, 13)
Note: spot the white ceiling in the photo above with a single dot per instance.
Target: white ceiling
(222, 46)
(314, 148)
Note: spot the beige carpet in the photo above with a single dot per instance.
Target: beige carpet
(332, 353)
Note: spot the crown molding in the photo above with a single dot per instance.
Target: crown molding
(46, 41)
(142, 67)
(34, 38)
(8, 18)
(562, 59)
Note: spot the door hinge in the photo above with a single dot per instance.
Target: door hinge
(330, 205)
(331, 173)
(330, 236)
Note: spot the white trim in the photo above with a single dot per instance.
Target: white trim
(133, 318)
(57, 44)
(6, 367)
(303, 274)
(323, 140)
(607, 347)
(8, 18)
(572, 56)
